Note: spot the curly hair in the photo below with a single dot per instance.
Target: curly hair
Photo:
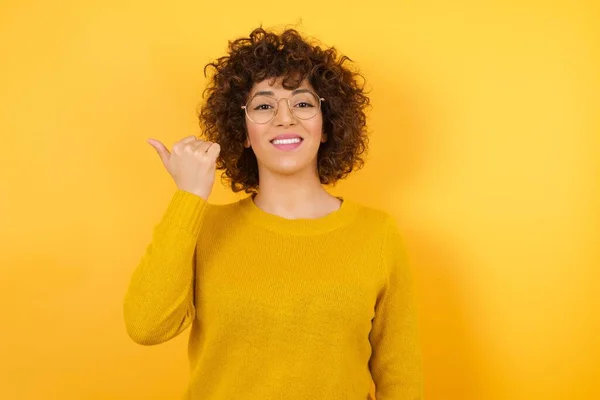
(266, 55)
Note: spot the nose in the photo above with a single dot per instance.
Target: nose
(284, 115)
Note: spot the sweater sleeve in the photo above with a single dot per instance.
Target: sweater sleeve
(396, 361)
(159, 302)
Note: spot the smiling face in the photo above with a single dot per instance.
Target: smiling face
(288, 143)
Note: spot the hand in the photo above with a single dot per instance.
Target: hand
(191, 165)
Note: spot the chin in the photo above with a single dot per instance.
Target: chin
(288, 168)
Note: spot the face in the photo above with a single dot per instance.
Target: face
(302, 137)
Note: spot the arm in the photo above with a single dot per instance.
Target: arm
(159, 303)
(396, 364)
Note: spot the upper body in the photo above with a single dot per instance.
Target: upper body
(290, 292)
(280, 308)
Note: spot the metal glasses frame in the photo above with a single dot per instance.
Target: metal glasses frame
(245, 107)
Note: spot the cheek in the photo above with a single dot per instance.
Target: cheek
(255, 132)
(315, 127)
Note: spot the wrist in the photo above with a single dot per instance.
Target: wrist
(200, 193)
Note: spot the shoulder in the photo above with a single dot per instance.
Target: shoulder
(373, 217)
(223, 210)
(377, 221)
(382, 226)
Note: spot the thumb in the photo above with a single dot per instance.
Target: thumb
(161, 149)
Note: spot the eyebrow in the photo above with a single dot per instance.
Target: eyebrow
(269, 93)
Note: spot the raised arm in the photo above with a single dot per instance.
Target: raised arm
(159, 303)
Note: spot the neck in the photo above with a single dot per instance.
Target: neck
(300, 195)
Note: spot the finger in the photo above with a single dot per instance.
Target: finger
(201, 146)
(161, 149)
(184, 143)
(188, 139)
(214, 150)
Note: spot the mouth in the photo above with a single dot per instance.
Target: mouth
(287, 144)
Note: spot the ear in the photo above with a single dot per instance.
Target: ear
(247, 142)
(323, 137)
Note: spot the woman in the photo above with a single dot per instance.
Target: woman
(291, 293)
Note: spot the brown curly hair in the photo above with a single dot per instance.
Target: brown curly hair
(266, 55)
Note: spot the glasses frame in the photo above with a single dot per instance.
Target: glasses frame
(287, 100)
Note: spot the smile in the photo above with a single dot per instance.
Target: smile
(287, 144)
(286, 141)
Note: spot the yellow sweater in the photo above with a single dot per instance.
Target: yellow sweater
(279, 308)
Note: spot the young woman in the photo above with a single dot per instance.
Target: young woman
(291, 293)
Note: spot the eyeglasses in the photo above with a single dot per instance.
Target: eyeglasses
(262, 108)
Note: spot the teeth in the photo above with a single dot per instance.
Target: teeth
(286, 141)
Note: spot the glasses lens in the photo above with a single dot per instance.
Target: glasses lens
(261, 109)
(305, 105)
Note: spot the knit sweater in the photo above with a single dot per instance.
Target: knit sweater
(280, 308)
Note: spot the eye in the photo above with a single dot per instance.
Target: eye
(262, 107)
(304, 104)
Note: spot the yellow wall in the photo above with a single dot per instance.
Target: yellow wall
(485, 147)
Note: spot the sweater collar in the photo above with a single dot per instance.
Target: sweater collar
(302, 226)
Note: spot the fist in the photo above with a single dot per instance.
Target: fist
(191, 164)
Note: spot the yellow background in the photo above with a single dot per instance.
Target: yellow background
(485, 147)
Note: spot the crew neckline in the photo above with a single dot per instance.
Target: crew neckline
(300, 226)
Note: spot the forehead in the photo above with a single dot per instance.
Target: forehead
(275, 86)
